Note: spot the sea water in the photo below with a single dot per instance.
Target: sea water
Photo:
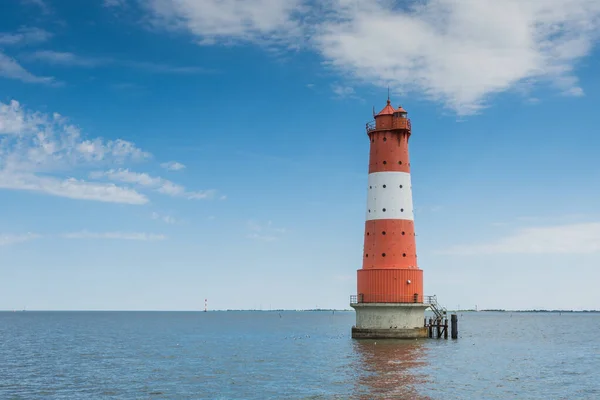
(292, 355)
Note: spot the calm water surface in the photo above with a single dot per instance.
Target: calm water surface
(292, 355)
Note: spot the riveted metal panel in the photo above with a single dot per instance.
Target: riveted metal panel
(389, 243)
(390, 285)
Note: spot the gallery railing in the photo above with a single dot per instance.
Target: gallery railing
(386, 298)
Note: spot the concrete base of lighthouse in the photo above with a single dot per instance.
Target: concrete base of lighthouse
(389, 321)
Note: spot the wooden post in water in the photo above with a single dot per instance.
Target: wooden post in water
(454, 325)
(446, 328)
(430, 328)
(439, 328)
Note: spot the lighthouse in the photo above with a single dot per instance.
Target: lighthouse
(389, 299)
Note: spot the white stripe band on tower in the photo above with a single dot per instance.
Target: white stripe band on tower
(390, 196)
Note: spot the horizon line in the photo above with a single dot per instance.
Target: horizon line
(299, 310)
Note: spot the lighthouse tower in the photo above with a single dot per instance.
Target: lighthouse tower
(389, 300)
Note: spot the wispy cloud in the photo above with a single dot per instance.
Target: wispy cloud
(35, 147)
(67, 59)
(265, 232)
(10, 239)
(41, 4)
(114, 3)
(583, 238)
(71, 188)
(24, 36)
(458, 53)
(172, 166)
(115, 236)
(159, 184)
(11, 69)
(342, 91)
(159, 68)
(167, 219)
(226, 21)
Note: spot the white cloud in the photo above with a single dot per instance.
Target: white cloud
(172, 166)
(460, 52)
(167, 219)
(456, 52)
(264, 232)
(24, 36)
(9, 239)
(226, 20)
(11, 69)
(114, 3)
(34, 145)
(39, 3)
(342, 91)
(161, 185)
(583, 238)
(115, 235)
(67, 59)
(36, 141)
(71, 188)
(158, 68)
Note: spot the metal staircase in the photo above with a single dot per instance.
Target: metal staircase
(438, 310)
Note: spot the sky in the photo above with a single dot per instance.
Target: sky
(157, 153)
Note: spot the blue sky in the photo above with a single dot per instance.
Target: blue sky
(157, 153)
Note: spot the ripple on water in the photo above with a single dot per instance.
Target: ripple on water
(298, 355)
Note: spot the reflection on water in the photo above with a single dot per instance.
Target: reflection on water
(390, 368)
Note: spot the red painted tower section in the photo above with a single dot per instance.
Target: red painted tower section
(389, 272)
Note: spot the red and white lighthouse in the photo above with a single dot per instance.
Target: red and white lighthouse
(389, 299)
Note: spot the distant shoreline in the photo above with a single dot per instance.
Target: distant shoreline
(315, 310)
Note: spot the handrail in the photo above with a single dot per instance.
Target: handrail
(437, 309)
(397, 123)
(385, 298)
(430, 301)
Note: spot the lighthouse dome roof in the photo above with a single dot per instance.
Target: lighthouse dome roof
(387, 110)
